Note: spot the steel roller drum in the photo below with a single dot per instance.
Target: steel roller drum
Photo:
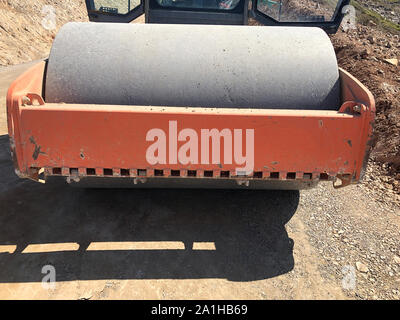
(193, 65)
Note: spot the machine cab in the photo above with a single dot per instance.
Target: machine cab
(314, 13)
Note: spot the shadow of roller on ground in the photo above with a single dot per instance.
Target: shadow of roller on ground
(247, 228)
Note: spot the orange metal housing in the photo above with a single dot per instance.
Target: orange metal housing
(76, 141)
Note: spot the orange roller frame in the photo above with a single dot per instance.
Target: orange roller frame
(110, 140)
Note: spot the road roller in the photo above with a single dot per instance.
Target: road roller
(195, 97)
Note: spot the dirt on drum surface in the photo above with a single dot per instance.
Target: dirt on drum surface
(205, 244)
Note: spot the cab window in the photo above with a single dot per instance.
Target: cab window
(200, 4)
(299, 10)
(114, 6)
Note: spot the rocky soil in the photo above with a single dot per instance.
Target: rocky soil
(371, 55)
(356, 233)
(389, 9)
(27, 30)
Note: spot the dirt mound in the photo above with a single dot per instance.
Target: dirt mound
(27, 28)
(364, 53)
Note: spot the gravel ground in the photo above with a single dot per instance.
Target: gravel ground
(356, 227)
